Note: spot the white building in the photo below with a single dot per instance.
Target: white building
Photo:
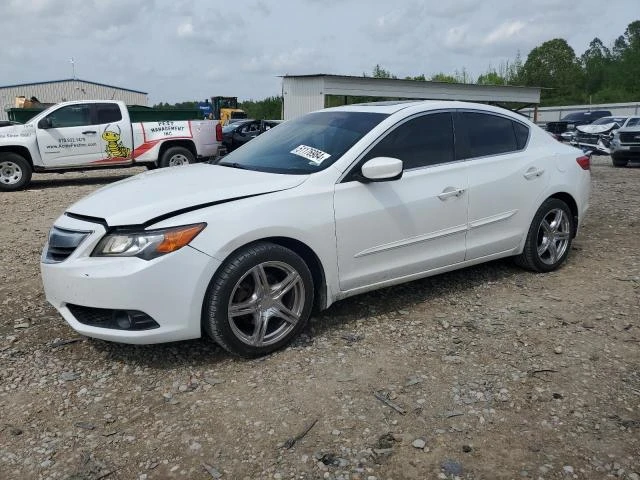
(306, 93)
(69, 89)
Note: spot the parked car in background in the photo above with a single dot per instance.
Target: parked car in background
(240, 132)
(625, 144)
(83, 135)
(597, 136)
(569, 122)
(329, 205)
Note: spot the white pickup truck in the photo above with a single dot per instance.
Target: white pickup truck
(84, 135)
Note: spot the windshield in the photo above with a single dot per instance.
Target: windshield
(305, 145)
(633, 122)
(605, 120)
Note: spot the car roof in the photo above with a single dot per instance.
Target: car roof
(392, 107)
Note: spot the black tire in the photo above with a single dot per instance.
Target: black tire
(174, 154)
(151, 166)
(15, 172)
(619, 162)
(235, 278)
(531, 258)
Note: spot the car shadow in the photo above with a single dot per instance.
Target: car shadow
(41, 184)
(203, 353)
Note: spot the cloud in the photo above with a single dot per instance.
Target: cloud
(185, 29)
(504, 32)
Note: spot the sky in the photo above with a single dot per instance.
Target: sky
(179, 50)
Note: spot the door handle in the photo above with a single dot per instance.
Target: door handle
(533, 172)
(450, 192)
(89, 132)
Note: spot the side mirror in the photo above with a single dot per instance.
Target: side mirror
(381, 169)
(45, 123)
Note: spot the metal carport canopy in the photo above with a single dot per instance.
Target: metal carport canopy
(305, 93)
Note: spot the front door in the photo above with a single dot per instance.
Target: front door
(66, 137)
(394, 229)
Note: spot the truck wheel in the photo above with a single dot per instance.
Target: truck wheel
(15, 172)
(176, 157)
(619, 162)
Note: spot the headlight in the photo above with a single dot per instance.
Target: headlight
(146, 244)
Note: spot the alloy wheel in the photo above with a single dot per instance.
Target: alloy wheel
(554, 234)
(266, 304)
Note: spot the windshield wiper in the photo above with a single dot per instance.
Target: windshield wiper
(234, 165)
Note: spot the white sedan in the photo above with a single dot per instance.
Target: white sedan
(332, 204)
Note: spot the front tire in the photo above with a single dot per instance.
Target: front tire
(260, 300)
(176, 157)
(15, 172)
(549, 237)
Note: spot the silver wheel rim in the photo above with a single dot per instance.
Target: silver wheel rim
(10, 173)
(266, 304)
(178, 160)
(553, 236)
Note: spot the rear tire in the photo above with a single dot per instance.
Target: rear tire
(259, 300)
(15, 172)
(619, 162)
(176, 157)
(549, 237)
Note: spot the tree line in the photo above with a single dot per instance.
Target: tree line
(601, 74)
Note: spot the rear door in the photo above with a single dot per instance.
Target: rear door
(115, 134)
(506, 180)
(67, 138)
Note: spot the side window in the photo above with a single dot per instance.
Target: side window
(522, 134)
(422, 141)
(108, 113)
(488, 134)
(71, 116)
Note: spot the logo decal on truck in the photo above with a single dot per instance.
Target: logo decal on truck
(114, 147)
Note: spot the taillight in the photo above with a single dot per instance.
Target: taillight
(584, 162)
(218, 132)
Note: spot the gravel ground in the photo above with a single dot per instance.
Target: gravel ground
(485, 373)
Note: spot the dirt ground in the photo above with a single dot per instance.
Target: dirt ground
(486, 373)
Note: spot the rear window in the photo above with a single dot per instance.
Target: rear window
(489, 134)
(108, 113)
(522, 134)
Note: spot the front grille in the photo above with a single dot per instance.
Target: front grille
(557, 127)
(630, 137)
(589, 138)
(113, 319)
(62, 243)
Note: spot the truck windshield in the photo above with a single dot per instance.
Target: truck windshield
(305, 145)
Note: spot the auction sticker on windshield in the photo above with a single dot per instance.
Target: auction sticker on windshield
(314, 155)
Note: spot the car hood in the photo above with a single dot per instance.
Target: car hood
(594, 129)
(151, 196)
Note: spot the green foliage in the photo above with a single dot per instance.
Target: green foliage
(177, 106)
(554, 65)
(443, 77)
(268, 109)
(379, 72)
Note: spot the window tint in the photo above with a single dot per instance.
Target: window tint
(633, 122)
(488, 134)
(306, 144)
(70, 116)
(422, 141)
(108, 113)
(522, 134)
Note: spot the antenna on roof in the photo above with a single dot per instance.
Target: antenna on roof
(73, 68)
